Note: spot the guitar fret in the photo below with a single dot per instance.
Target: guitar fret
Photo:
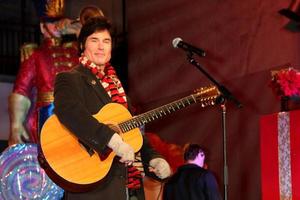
(172, 107)
(165, 110)
(144, 119)
(121, 127)
(188, 101)
(160, 112)
(182, 103)
(134, 124)
(139, 118)
(140, 123)
(137, 124)
(148, 117)
(153, 115)
(194, 98)
(129, 125)
(126, 127)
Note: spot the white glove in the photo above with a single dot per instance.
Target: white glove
(121, 149)
(161, 168)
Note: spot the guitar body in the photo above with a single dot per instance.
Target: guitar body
(68, 163)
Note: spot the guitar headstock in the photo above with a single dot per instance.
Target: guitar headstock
(207, 96)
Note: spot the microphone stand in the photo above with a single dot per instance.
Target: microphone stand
(225, 96)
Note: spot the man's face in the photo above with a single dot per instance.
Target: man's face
(98, 47)
(200, 159)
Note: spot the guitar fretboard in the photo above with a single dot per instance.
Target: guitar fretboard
(157, 113)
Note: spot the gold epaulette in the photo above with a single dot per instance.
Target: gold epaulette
(26, 50)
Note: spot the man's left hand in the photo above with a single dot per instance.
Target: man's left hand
(160, 167)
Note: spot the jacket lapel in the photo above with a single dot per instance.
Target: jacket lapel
(94, 83)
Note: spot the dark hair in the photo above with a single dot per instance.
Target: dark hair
(91, 26)
(191, 151)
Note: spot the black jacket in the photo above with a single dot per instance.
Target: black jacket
(77, 96)
(191, 182)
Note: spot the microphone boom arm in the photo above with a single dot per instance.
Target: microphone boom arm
(226, 94)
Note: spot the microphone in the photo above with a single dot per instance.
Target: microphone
(178, 43)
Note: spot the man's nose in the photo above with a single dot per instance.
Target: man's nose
(100, 45)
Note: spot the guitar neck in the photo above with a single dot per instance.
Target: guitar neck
(157, 113)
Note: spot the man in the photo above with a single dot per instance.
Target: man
(81, 93)
(192, 181)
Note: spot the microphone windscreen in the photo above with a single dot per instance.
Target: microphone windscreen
(176, 41)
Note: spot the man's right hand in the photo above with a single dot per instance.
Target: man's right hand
(18, 106)
(121, 149)
(18, 134)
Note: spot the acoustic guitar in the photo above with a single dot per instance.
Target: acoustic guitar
(68, 163)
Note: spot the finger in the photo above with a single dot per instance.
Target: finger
(114, 126)
(127, 161)
(19, 139)
(151, 169)
(25, 135)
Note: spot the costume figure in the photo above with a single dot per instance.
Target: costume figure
(34, 83)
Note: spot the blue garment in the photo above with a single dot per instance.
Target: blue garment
(44, 113)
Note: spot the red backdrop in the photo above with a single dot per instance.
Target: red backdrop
(244, 40)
